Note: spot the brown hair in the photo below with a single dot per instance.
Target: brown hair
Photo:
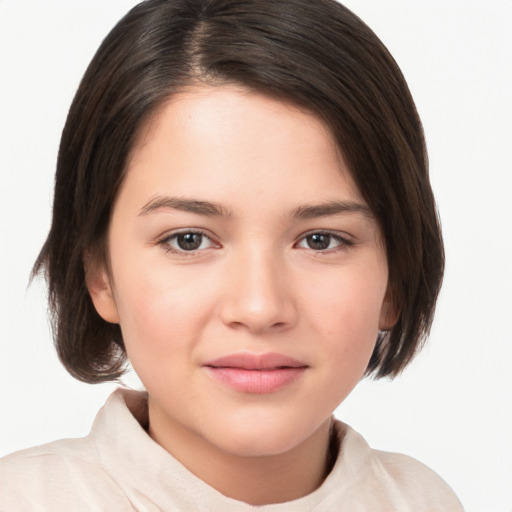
(316, 54)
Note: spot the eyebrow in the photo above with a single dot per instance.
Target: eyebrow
(185, 205)
(331, 208)
(210, 209)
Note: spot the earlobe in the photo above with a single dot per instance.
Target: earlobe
(389, 313)
(100, 289)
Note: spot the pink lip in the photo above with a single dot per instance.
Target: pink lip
(254, 373)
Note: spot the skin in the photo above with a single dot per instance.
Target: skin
(255, 284)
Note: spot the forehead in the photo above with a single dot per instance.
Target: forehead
(227, 135)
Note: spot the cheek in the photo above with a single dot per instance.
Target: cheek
(161, 308)
(347, 303)
(154, 329)
(349, 328)
(345, 313)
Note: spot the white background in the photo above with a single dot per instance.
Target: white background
(452, 408)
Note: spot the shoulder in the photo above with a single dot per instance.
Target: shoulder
(418, 483)
(35, 463)
(65, 472)
(398, 481)
(68, 474)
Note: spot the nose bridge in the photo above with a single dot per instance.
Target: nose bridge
(259, 296)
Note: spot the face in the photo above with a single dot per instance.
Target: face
(246, 272)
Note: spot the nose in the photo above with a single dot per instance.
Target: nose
(259, 293)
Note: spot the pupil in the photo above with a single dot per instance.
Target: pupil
(189, 241)
(319, 241)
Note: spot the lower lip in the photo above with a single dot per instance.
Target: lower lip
(256, 381)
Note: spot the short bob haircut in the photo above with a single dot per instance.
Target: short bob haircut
(314, 54)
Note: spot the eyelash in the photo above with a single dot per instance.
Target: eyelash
(343, 243)
(166, 240)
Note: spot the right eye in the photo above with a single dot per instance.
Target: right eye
(187, 241)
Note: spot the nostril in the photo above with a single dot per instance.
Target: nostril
(277, 326)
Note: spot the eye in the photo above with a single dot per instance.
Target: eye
(321, 241)
(187, 241)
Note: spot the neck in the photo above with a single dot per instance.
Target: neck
(257, 480)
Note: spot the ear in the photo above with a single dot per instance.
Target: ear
(389, 312)
(99, 285)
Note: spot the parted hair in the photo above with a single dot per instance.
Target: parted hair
(315, 54)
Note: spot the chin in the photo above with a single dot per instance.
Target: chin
(256, 438)
(260, 445)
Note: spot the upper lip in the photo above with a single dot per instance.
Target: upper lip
(246, 361)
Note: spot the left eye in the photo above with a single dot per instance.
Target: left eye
(188, 241)
(322, 241)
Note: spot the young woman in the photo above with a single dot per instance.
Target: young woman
(242, 210)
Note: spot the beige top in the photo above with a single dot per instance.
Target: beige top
(118, 467)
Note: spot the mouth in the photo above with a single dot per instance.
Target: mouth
(256, 373)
